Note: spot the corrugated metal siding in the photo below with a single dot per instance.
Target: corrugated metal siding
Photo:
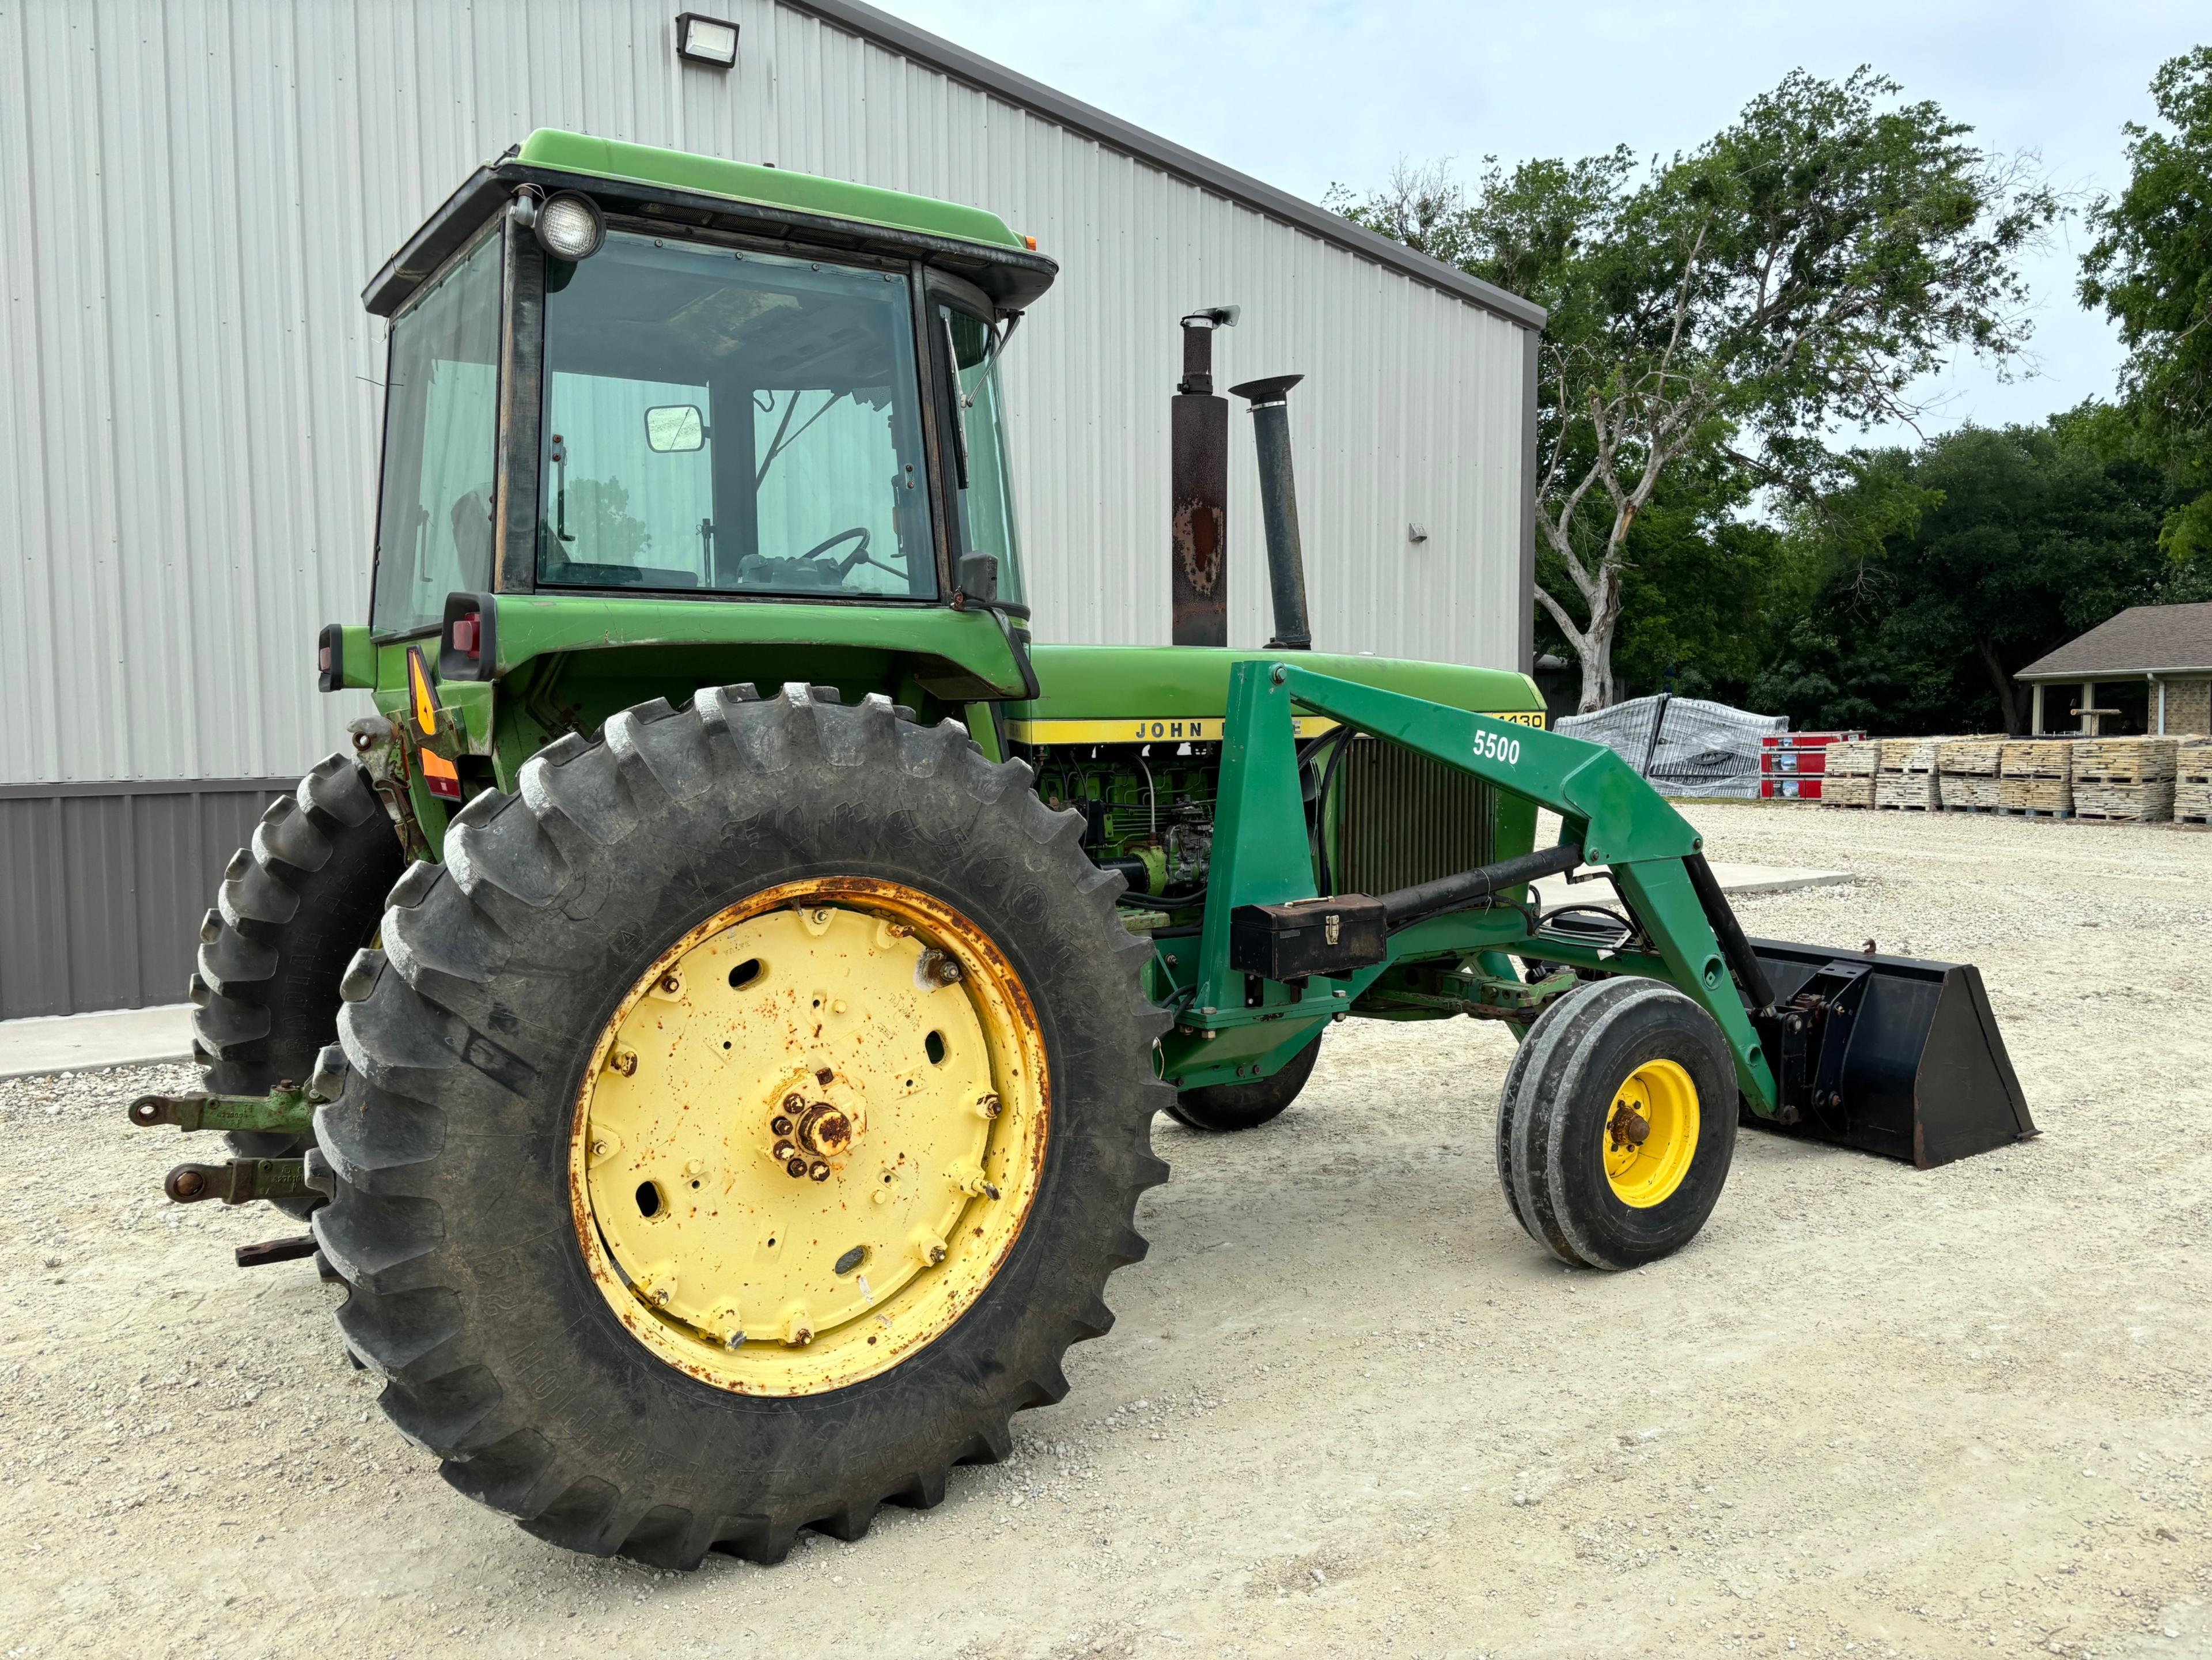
(197, 190)
(102, 895)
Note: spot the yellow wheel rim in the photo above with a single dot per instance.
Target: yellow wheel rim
(810, 1136)
(1650, 1134)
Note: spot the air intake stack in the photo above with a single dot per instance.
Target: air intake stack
(1279, 507)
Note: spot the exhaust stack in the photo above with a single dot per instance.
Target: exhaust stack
(1199, 575)
(1279, 507)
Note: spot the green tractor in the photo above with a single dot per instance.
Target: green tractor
(716, 1017)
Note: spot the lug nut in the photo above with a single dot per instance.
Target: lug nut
(796, 1166)
(819, 1170)
(794, 1104)
(624, 1061)
(672, 983)
(780, 1125)
(987, 1106)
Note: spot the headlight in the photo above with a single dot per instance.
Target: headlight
(569, 226)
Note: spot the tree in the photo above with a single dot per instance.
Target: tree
(1948, 569)
(1698, 584)
(2150, 268)
(1802, 269)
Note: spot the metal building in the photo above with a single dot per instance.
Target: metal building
(197, 190)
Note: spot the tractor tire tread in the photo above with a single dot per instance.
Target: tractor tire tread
(442, 1057)
(308, 888)
(1538, 1168)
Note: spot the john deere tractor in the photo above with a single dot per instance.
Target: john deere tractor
(714, 1019)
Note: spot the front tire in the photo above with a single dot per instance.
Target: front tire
(1223, 1108)
(503, 1050)
(1617, 1124)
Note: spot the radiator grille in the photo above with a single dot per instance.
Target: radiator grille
(1407, 819)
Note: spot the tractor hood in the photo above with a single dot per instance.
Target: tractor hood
(1142, 694)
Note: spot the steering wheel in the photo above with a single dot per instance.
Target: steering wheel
(852, 558)
(858, 557)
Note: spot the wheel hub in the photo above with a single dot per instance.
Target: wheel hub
(809, 1136)
(1651, 1134)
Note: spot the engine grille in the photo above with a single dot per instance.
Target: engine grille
(1407, 819)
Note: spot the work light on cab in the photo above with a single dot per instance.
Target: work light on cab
(569, 226)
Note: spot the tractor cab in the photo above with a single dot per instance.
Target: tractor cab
(618, 373)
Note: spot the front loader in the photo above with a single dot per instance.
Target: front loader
(714, 1019)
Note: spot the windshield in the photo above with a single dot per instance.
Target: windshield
(434, 530)
(734, 421)
(984, 499)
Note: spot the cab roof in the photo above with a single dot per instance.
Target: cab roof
(679, 188)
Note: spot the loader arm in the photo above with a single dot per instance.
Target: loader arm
(1615, 819)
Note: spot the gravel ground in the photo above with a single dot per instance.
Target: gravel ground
(1348, 1407)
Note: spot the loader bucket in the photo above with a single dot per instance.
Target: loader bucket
(1888, 1054)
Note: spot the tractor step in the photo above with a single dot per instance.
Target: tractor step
(237, 1182)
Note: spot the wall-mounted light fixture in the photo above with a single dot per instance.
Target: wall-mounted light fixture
(707, 40)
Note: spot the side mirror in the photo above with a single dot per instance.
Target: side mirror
(674, 429)
(979, 577)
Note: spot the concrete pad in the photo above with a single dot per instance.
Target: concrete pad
(112, 1038)
(1734, 879)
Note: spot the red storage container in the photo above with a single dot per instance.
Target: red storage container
(1790, 764)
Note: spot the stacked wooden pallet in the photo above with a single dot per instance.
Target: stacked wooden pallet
(1966, 773)
(2129, 779)
(2036, 775)
(2192, 782)
(1907, 775)
(1848, 778)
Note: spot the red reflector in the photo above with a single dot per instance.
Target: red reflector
(323, 658)
(466, 631)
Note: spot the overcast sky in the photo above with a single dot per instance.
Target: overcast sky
(1302, 93)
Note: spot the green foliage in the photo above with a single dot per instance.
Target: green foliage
(1720, 312)
(1943, 572)
(600, 520)
(2150, 269)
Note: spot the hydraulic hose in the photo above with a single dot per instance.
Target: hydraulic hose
(1734, 946)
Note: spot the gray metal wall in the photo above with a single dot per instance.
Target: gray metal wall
(197, 191)
(102, 889)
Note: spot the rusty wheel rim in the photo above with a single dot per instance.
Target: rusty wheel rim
(809, 1136)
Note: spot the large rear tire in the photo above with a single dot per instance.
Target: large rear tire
(678, 960)
(292, 909)
(1617, 1124)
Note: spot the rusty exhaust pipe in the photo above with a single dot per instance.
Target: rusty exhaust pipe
(1199, 557)
(1279, 507)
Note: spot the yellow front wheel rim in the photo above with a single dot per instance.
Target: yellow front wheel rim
(1650, 1134)
(810, 1135)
